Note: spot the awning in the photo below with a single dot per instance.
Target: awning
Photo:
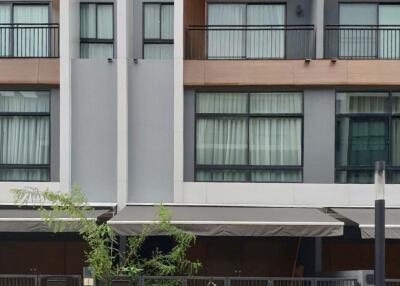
(365, 218)
(30, 220)
(231, 221)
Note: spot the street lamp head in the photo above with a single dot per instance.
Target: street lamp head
(380, 180)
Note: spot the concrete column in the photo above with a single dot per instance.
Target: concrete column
(178, 101)
(65, 94)
(319, 136)
(318, 21)
(122, 103)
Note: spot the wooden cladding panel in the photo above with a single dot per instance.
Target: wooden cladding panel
(265, 257)
(291, 73)
(30, 71)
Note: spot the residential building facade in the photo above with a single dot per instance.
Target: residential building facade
(268, 115)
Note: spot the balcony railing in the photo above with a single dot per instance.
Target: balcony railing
(254, 42)
(29, 40)
(362, 42)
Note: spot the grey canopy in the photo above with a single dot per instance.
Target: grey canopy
(231, 221)
(365, 218)
(30, 220)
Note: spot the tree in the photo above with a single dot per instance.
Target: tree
(101, 255)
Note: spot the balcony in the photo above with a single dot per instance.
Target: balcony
(250, 42)
(362, 42)
(29, 40)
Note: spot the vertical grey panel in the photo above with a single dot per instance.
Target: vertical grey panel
(189, 135)
(94, 129)
(151, 131)
(319, 136)
(55, 135)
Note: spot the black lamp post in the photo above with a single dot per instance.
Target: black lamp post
(380, 224)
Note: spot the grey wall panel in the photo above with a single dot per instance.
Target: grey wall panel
(151, 130)
(319, 136)
(189, 135)
(55, 135)
(94, 129)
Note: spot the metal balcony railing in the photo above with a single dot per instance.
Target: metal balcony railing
(362, 42)
(254, 42)
(29, 40)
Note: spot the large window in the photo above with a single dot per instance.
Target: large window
(24, 136)
(97, 30)
(253, 137)
(367, 130)
(373, 30)
(228, 39)
(158, 30)
(24, 30)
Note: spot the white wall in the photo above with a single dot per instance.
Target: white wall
(321, 195)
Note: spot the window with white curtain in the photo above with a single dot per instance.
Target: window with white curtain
(24, 136)
(367, 130)
(246, 31)
(158, 30)
(373, 30)
(249, 137)
(97, 30)
(23, 32)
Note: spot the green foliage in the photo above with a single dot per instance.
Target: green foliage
(100, 238)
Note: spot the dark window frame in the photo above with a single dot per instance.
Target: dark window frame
(155, 41)
(30, 114)
(248, 116)
(96, 40)
(388, 116)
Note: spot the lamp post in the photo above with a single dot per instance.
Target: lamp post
(380, 224)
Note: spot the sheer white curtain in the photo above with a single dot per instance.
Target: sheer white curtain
(270, 41)
(97, 23)
(32, 42)
(158, 51)
(361, 102)
(167, 21)
(228, 43)
(5, 18)
(361, 43)
(24, 139)
(152, 21)
(276, 102)
(96, 51)
(88, 21)
(389, 41)
(223, 102)
(105, 22)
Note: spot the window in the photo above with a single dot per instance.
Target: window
(249, 137)
(253, 42)
(367, 130)
(22, 32)
(97, 30)
(362, 39)
(158, 31)
(24, 136)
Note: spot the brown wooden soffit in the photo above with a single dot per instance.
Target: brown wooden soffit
(291, 73)
(30, 71)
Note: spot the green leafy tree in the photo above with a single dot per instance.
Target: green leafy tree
(101, 240)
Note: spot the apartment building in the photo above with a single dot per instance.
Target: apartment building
(256, 122)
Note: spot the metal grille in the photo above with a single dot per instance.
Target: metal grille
(362, 42)
(41, 280)
(29, 40)
(255, 42)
